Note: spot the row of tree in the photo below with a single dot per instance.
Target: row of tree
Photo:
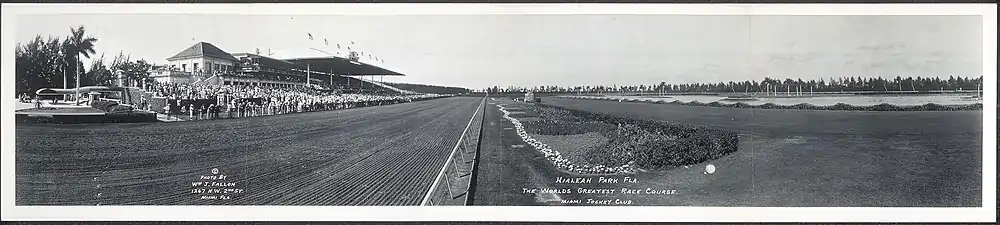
(57, 63)
(767, 85)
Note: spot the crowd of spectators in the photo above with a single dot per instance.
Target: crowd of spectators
(228, 101)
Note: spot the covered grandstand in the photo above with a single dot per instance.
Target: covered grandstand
(204, 81)
(205, 63)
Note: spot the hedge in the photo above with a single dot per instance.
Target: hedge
(648, 143)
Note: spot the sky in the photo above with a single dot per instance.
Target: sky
(478, 51)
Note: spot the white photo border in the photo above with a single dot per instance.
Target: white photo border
(986, 213)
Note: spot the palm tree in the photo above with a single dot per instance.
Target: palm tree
(64, 56)
(80, 44)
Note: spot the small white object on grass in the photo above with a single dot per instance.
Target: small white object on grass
(710, 169)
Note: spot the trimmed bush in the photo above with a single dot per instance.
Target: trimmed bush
(104, 105)
(696, 103)
(930, 106)
(120, 109)
(740, 105)
(804, 106)
(840, 106)
(884, 107)
(652, 144)
(769, 106)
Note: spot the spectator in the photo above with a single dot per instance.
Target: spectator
(241, 100)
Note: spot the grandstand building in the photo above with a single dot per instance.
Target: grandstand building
(205, 63)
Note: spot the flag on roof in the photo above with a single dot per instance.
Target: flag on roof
(326, 42)
(310, 36)
(338, 46)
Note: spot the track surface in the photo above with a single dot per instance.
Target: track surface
(503, 168)
(386, 155)
(786, 158)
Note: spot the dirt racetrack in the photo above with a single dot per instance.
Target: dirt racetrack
(386, 155)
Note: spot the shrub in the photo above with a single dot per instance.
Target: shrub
(883, 107)
(551, 127)
(740, 105)
(664, 153)
(804, 106)
(840, 106)
(695, 103)
(769, 106)
(930, 106)
(103, 105)
(651, 143)
(120, 109)
(976, 106)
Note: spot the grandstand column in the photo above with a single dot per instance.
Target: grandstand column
(307, 73)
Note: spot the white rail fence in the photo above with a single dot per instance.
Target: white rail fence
(452, 185)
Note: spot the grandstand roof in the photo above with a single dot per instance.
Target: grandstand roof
(202, 49)
(271, 62)
(342, 66)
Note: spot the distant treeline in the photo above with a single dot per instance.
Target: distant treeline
(429, 89)
(843, 84)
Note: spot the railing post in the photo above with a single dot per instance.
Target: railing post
(463, 142)
(462, 153)
(471, 191)
(455, 165)
(448, 184)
